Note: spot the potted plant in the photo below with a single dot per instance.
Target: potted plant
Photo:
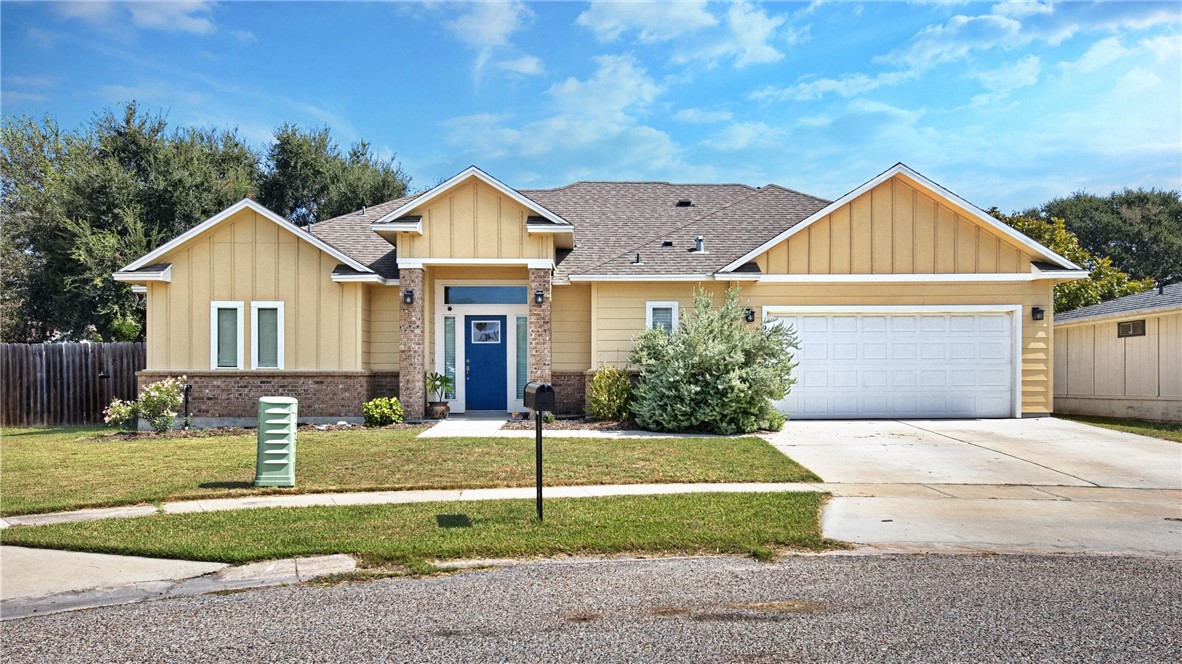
(438, 386)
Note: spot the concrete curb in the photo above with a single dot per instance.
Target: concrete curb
(255, 575)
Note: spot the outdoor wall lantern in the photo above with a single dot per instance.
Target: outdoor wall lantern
(408, 296)
(539, 297)
(749, 315)
(1037, 313)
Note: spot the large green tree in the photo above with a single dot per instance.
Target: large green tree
(309, 180)
(1105, 281)
(79, 204)
(1139, 229)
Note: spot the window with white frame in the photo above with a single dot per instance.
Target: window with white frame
(660, 316)
(266, 339)
(225, 335)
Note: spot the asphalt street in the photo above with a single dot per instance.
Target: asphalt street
(832, 608)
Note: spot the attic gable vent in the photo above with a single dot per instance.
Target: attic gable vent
(684, 202)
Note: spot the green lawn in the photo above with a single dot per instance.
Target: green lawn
(416, 534)
(46, 470)
(1163, 430)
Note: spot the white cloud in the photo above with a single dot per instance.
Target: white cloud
(526, 65)
(739, 136)
(172, 16)
(851, 85)
(1020, 74)
(191, 17)
(244, 36)
(954, 40)
(650, 21)
(1099, 55)
(486, 26)
(700, 116)
(618, 83)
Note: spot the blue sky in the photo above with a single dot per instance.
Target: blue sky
(1007, 104)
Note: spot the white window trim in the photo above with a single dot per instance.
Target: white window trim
(254, 333)
(648, 312)
(213, 332)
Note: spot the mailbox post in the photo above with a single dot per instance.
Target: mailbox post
(539, 397)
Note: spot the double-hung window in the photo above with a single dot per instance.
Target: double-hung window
(660, 316)
(225, 335)
(266, 339)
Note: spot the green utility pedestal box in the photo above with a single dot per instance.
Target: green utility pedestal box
(277, 442)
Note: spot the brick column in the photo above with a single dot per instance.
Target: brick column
(411, 389)
(539, 326)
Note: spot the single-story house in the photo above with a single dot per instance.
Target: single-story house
(1122, 358)
(908, 300)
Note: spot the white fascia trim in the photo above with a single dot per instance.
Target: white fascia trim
(243, 204)
(548, 228)
(1069, 275)
(891, 172)
(137, 277)
(531, 263)
(1164, 310)
(398, 227)
(1015, 310)
(213, 332)
(641, 277)
(364, 279)
(740, 276)
(254, 333)
(471, 171)
(895, 278)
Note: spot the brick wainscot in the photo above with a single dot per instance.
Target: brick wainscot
(231, 398)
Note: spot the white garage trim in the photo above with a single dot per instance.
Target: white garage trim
(1015, 311)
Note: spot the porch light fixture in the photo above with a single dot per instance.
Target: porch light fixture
(408, 296)
(539, 297)
(1037, 313)
(749, 315)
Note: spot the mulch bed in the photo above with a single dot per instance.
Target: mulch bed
(575, 424)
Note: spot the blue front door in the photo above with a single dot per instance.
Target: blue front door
(484, 346)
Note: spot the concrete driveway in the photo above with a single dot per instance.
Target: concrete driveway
(1005, 485)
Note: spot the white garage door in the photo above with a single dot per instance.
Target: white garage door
(905, 364)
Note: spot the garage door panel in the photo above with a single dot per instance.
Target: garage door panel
(902, 365)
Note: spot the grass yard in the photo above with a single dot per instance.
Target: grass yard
(1163, 430)
(416, 534)
(47, 470)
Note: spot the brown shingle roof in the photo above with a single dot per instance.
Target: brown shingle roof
(614, 220)
(350, 233)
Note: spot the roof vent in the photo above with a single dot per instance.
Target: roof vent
(684, 202)
(637, 261)
(699, 244)
(667, 243)
(363, 210)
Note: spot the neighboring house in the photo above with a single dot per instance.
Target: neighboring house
(909, 301)
(1122, 358)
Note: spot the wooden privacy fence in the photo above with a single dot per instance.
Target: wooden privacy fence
(66, 383)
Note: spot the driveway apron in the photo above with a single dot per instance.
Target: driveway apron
(1039, 485)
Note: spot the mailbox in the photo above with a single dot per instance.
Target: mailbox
(539, 397)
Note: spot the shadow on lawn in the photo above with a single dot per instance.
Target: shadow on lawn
(226, 485)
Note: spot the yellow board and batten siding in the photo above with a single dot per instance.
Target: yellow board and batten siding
(474, 220)
(250, 259)
(894, 228)
(1097, 372)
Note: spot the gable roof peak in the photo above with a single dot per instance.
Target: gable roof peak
(472, 171)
